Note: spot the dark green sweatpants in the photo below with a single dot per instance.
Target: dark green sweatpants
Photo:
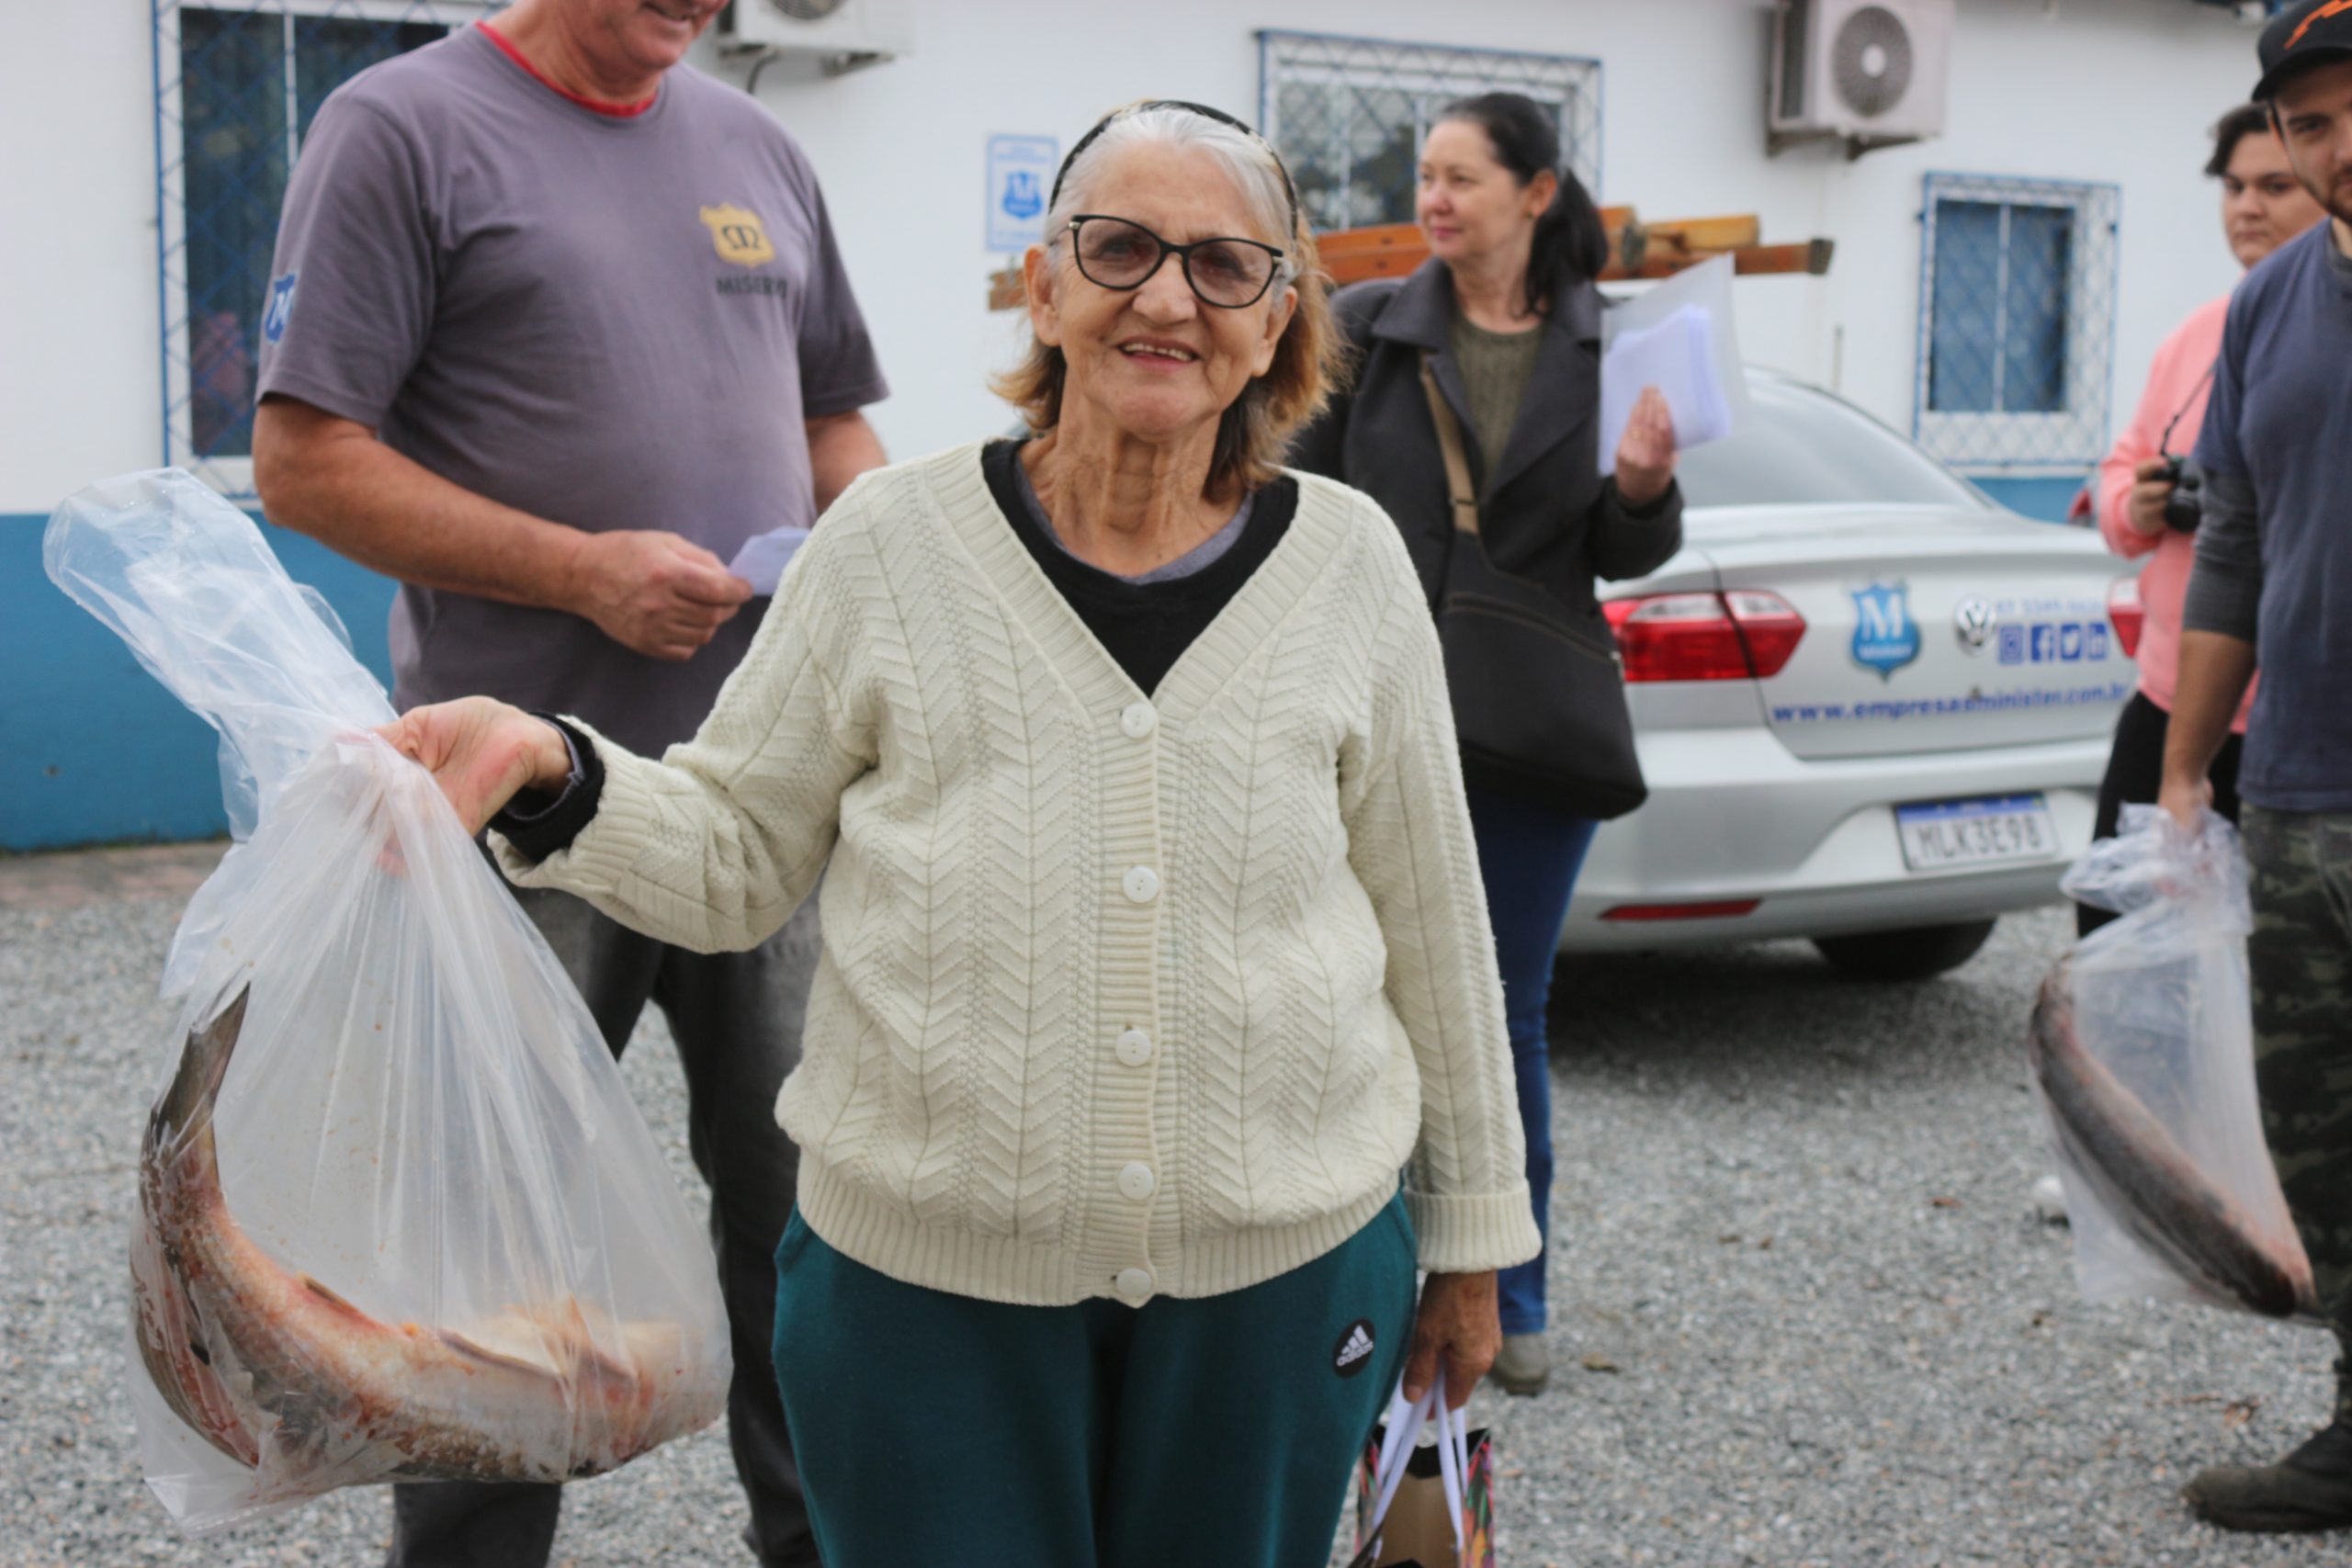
(941, 1431)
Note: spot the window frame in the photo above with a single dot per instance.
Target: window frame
(232, 476)
(1588, 70)
(2023, 444)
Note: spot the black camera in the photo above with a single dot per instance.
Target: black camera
(2185, 504)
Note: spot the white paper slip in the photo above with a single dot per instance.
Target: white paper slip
(1708, 288)
(1677, 357)
(763, 557)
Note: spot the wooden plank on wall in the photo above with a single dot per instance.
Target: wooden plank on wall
(1394, 250)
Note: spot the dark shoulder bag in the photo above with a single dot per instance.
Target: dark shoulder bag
(1538, 688)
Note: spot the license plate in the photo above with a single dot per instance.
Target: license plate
(1975, 833)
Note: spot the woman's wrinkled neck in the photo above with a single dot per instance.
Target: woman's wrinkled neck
(1120, 502)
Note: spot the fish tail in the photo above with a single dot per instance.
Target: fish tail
(2151, 1188)
(185, 1112)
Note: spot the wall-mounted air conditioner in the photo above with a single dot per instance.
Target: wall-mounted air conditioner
(1871, 72)
(845, 34)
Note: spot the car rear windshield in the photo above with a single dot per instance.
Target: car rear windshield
(1803, 447)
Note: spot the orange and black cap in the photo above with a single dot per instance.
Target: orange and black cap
(2303, 36)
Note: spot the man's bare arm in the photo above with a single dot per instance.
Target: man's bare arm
(841, 447)
(331, 479)
(2215, 670)
(2219, 620)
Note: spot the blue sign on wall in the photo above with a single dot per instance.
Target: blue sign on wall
(1021, 179)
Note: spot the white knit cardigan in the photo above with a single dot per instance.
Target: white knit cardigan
(1121, 996)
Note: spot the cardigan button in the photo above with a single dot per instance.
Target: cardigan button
(1133, 1047)
(1134, 1284)
(1141, 884)
(1136, 1181)
(1138, 721)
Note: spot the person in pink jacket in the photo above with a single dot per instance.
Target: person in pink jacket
(2263, 207)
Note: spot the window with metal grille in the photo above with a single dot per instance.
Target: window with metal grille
(2016, 323)
(236, 87)
(1348, 114)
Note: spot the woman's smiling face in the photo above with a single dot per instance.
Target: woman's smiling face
(1153, 362)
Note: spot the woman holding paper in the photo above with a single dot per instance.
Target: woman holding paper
(1504, 322)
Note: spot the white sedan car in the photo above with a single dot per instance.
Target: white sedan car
(1873, 706)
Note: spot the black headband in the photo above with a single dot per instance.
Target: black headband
(1206, 112)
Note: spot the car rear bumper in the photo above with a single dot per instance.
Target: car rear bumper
(1733, 816)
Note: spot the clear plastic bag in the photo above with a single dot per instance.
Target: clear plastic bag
(2142, 1047)
(398, 1216)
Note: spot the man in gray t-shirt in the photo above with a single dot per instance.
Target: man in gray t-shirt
(556, 324)
(2272, 579)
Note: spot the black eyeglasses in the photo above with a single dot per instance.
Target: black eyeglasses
(1227, 272)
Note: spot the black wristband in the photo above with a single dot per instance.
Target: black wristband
(537, 823)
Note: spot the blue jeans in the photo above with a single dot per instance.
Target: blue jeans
(1528, 855)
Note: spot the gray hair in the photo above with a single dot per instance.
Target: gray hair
(1247, 162)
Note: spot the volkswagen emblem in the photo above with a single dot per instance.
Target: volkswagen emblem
(1973, 620)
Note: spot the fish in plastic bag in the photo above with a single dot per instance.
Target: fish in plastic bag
(398, 1217)
(2142, 1053)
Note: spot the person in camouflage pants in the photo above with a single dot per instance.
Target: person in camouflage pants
(2272, 576)
(2300, 960)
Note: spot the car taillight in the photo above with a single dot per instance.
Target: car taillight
(1742, 634)
(1723, 909)
(1771, 627)
(2125, 609)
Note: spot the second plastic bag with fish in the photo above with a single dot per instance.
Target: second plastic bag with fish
(2144, 1053)
(398, 1216)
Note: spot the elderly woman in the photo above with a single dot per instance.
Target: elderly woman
(1153, 944)
(1502, 326)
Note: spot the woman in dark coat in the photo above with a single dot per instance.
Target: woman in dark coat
(1506, 313)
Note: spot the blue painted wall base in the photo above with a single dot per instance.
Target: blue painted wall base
(2046, 499)
(92, 751)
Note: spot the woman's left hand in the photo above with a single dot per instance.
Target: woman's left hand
(481, 752)
(1645, 453)
(1460, 1320)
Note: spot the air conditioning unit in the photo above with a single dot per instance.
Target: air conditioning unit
(1872, 72)
(843, 33)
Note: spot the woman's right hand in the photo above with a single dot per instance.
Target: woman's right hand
(481, 752)
(1645, 454)
(2151, 487)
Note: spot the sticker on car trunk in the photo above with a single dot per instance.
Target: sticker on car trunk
(1885, 636)
(1938, 835)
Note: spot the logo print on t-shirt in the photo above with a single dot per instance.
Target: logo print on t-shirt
(1352, 1354)
(280, 309)
(739, 235)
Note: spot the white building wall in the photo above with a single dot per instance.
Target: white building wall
(78, 321)
(2116, 91)
(2103, 90)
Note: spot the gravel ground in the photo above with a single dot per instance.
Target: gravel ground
(1803, 1313)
